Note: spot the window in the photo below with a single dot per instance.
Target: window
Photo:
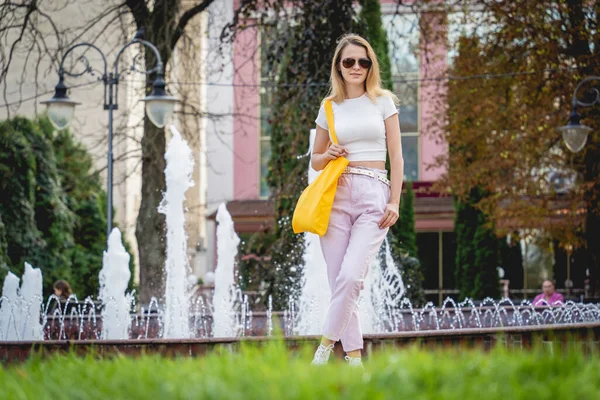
(403, 38)
(437, 254)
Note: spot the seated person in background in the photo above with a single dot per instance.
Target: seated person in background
(549, 296)
(62, 290)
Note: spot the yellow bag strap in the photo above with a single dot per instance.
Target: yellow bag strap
(330, 122)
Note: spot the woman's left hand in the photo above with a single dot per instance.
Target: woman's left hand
(390, 215)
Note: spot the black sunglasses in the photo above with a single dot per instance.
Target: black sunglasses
(363, 62)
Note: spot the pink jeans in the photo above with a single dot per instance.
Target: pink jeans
(352, 240)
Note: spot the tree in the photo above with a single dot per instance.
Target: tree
(30, 30)
(86, 198)
(4, 260)
(403, 244)
(521, 64)
(372, 29)
(476, 250)
(33, 203)
(53, 203)
(511, 260)
(486, 263)
(406, 235)
(164, 25)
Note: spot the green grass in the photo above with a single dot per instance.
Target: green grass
(271, 372)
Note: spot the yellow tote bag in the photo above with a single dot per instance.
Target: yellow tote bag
(314, 205)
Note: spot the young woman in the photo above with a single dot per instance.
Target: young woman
(366, 202)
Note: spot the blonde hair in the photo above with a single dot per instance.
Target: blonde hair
(373, 89)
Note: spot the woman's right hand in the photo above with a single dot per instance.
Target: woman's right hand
(335, 151)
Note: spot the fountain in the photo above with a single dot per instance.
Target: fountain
(224, 299)
(20, 307)
(383, 290)
(180, 165)
(227, 313)
(31, 303)
(114, 278)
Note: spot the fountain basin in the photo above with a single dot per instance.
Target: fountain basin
(148, 325)
(557, 337)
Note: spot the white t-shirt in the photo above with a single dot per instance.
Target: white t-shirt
(360, 127)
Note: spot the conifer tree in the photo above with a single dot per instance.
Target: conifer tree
(53, 204)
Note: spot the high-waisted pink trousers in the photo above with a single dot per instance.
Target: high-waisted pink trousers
(352, 240)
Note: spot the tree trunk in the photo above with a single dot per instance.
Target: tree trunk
(150, 227)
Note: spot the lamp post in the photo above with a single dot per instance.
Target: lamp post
(159, 105)
(574, 134)
(575, 137)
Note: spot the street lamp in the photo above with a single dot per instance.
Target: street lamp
(574, 134)
(159, 105)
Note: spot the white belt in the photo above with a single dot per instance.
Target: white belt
(367, 172)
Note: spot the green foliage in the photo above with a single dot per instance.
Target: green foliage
(18, 188)
(255, 269)
(52, 206)
(29, 196)
(465, 226)
(87, 200)
(486, 261)
(4, 260)
(412, 276)
(53, 218)
(403, 243)
(405, 233)
(477, 255)
(373, 30)
(272, 372)
(511, 259)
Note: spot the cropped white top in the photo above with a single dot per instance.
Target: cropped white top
(359, 126)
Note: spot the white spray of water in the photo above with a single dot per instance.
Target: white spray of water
(9, 312)
(21, 307)
(383, 286)
(178, 174)
(224, 298)
(114, 278)
(382, 293)
(315, 294)
(31, 304)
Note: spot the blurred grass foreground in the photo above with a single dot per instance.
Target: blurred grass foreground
(271, 371)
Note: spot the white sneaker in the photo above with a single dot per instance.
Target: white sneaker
(354, 361)
(322, 354)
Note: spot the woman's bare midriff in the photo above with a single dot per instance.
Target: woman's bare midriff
(368, 164)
